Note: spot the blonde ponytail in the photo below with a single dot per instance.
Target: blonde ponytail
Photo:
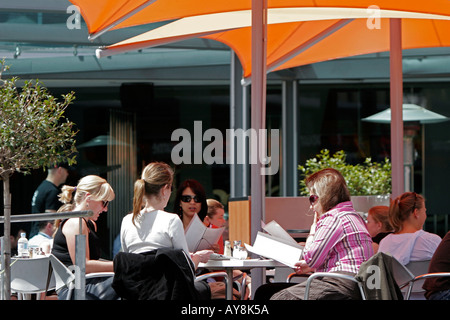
(139, 191)
(155, 176)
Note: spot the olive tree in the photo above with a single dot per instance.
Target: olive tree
(34, 133)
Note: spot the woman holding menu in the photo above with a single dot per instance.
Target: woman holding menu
(190, 202)
(338, 241)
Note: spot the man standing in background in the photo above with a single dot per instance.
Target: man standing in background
(45, 198)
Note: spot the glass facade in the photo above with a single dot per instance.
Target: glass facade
(329, 116)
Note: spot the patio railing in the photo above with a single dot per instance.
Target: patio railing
(80, 243)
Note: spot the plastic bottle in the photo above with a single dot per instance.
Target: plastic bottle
(227, 249)
(22, 246)
(236, 252)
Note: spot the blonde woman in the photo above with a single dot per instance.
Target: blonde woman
(92, 193)
(215, 214)
(215, 219)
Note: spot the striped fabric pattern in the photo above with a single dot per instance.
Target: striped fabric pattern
(341, 241)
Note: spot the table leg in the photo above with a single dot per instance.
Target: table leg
(229, 281)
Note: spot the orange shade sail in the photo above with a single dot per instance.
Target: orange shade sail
(299, 36)
(284, 41)
(101, 14)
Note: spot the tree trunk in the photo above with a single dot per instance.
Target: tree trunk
(7, 239)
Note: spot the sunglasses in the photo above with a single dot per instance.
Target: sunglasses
(189, 198)
(313, 198)
(105, 203)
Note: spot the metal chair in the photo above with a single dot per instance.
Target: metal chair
(412, 276)
(403, 277)
(422, 277)
(310, 277)
(409, 278)
(31, 276)
(66, 277)
(417, 268)
(384, 269)
(304, 276)
(332, 275)
(241, 282)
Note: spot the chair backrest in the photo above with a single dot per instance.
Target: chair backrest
(418, 268)
(30, 275)
(401, 274)
(63, 275)
(412, 290)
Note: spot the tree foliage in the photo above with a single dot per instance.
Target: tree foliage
(34, 133)
(368, 178)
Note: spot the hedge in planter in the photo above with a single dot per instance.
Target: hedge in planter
(368, 178)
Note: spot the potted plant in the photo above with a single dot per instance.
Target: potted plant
(33, 134)
(369, 183)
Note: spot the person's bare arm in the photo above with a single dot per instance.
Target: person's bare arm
(70, 230)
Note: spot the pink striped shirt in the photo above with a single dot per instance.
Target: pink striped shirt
(341, 241)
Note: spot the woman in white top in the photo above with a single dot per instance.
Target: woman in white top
(407, 214)
(149, 227)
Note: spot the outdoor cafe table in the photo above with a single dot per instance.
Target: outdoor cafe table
(230, 265)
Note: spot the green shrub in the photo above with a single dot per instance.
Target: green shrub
(368, 178)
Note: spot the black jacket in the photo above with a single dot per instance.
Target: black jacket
(163, 274)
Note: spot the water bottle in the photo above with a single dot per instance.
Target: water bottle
(227, 249)
(22, 246)
(236, 252)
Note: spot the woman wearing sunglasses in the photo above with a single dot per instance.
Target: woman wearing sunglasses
(190, 200)
(338, 240)
(92, 193)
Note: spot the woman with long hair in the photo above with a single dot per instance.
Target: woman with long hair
(190, 200)
(149, 227)
(409, 242)
(91, 193)
(338, 240)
